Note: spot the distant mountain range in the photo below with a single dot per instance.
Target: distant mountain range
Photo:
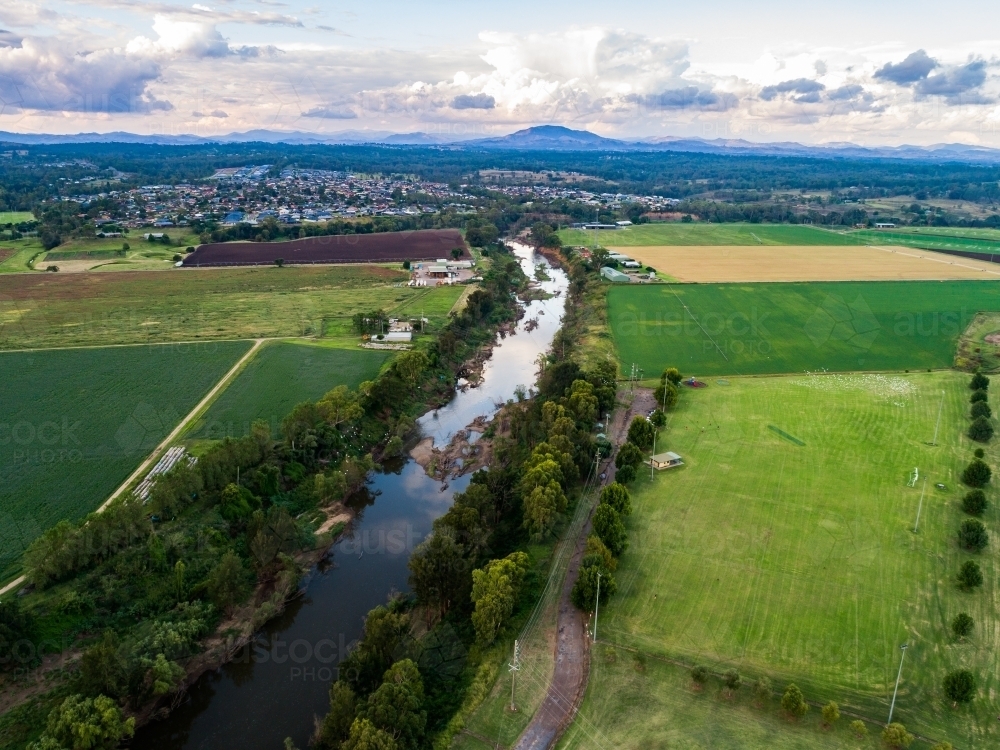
(542, 138)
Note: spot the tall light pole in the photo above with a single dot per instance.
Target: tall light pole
(597, 604)
(514, 667)
(893, 705)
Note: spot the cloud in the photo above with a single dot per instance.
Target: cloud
(689, 97)
(42, 74)
(331, 112)
(180, 37)
(954, 83)
(808, 90)
(473, 101)
(214, 113)
(915, 67)
(846, 92)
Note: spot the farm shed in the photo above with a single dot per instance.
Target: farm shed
(616, 276)
(667, 460)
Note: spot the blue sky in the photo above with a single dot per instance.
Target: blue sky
(865, 72)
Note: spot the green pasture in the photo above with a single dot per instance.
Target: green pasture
(715, 329)
(637, 701)
(73, 309)
(15, 217)
(279, 376)
(75, 423)
(679, 233)
(800, 561)
(981, 241)
(24, 251)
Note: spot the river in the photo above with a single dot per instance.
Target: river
(282, 683)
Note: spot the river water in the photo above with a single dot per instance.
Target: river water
(275, 689)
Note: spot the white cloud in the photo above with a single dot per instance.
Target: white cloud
(42, 74)
(180, 37)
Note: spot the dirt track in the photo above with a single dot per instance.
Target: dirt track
(735, 263)
(569, 678)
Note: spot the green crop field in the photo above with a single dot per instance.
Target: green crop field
(716, 329)
(710, 234)
(72, 309)
(75, 423)
(800, 561)
(280, 376)
(984, 241)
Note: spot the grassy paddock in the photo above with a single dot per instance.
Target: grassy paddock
(636, 701)
(710, 234)
(15, 217)
(280, 376)
(715, 329)
(49, 310)
(77, 422)
(800, 561)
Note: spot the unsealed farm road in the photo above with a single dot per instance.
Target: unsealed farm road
(569, 678)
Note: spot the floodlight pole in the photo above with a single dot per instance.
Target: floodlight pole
(934, 441)
(920, 505)
(653, 453)
(893, 705)
(597, 604)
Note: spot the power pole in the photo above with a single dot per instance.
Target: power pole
(653, 453)
(597, 604)
(514, 667)
(893, 705)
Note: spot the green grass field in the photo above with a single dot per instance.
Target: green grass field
(49, 310)
(800, 561)
(983, 241)
(15, 217)
(714, 329)
(75, 423)
(280, 376)
(710, 234)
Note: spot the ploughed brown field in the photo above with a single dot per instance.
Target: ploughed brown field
(380, 247)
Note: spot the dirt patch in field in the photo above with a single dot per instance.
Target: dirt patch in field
(6, 252)
(992, 338)
(736, 263)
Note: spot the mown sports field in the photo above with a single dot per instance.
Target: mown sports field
(728, 329)
(76, 423)
(679, 233)
(280, 376)
(785, 547)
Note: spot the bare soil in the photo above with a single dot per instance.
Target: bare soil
(380, 247)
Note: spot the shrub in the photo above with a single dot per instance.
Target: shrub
(659, 419)
(699, 674)
(761, 690)
(943, 745)
(859, 728)
(792, 702)
(979, 382)
(628, 455)
(972, 535)
(831, 713)
(970, 575)
(895, 735)
(641, 432)
(974, 503)
(617, 497)
(626, 474)
(981, 430)
(732, 679)
(125, 247)
(962, 625)
(177, 258)
(672, 374)
(980, 409)
(960, 686)
(979, 452)
(978, 396)
(609, 528)
(977, 473)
